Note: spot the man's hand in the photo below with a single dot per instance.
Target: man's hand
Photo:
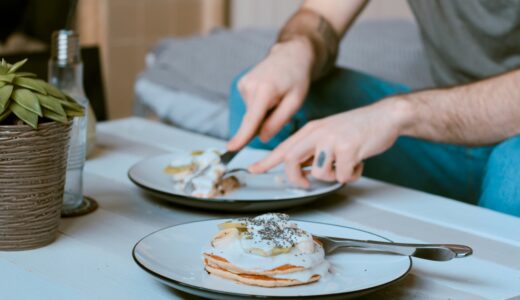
(277, 85)
(306, 50)
(339, 143)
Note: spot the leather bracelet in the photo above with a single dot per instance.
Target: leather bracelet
(322, 36)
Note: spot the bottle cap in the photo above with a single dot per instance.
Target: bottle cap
(65, 47)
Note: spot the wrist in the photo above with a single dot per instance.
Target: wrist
(298, 44)
(298, 48)
(404, 113)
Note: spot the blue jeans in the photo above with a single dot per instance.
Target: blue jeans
(487, 176)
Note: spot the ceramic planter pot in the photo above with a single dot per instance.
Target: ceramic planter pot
(33, 165)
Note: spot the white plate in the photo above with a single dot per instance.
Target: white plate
(260, 192)
(173, 255)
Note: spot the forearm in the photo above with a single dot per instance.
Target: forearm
(319, 25)
(481, 113)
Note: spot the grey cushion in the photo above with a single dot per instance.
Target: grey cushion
(204, 67)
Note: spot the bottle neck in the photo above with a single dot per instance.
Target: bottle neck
(65, 65)
(68, 78)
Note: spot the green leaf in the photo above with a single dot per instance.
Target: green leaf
(6, 107)
(74, 113)
(3, 67)
(17, 66)
(30, 83)
(26, 74)
(28, 100)
(5, 94)
(52, 104)
(5, 114)
(54, 116)
(29, 117)
(7, 77)
(2, 83)
(54, 91)
(71, 105)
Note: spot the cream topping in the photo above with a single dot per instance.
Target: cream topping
(272, 230)
(269, 232)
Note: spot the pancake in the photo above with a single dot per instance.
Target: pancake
(256, 280)
(266, 251)
(223, 263)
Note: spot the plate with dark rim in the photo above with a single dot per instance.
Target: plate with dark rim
(270, 191)
(173, 255)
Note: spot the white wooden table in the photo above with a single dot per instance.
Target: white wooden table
(91, 259)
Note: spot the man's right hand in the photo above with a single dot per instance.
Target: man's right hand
(277, 85)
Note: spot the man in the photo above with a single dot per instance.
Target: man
(459, 140)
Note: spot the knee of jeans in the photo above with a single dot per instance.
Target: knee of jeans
(501, 186)
(506, 152)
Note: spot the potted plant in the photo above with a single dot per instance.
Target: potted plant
(35, 122)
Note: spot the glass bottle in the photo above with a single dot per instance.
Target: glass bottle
(66, 73)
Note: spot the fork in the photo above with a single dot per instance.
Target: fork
(236, 170)
(224, 159)
(228, 156)
(435, 252)
(189, 187)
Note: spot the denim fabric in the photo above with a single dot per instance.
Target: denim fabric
(501, 183)
(487, 176)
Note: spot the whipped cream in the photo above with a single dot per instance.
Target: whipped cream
(270, 232)
(205, 183)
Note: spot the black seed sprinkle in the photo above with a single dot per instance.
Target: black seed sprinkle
(274, 228)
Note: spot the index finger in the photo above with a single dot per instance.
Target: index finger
(277, 155)
(252, 119)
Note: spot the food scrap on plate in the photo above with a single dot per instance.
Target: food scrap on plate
(208, 184)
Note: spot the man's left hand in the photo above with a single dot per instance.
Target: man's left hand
(338, 144)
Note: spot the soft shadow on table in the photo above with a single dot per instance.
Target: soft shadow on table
(463, 278)
(100, 150)
(399, 290)
(328, 202)
(341, 198)
(212, 214)
(180, 294)
(345, 197)
(373, 191)
(108, 144)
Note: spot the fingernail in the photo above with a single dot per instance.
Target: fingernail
(321, 159)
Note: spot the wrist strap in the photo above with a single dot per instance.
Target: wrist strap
(322, 36)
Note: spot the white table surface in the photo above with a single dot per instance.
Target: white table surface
(91, 259)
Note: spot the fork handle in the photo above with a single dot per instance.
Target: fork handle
(438, 252)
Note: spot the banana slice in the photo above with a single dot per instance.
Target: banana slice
(306, 246)
(277, 251)
(225, 237)
(274, 252)
(179, 169)
(231, 224)
(197, 153)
